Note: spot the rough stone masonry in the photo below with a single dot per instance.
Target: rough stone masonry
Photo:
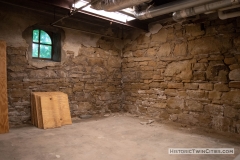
(186, 73)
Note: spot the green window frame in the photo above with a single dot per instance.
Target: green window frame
(42, 46)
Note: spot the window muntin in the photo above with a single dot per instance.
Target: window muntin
(42, 45)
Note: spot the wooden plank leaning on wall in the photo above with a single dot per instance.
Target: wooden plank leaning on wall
(4, 124)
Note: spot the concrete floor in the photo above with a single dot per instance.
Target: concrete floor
(118, 137)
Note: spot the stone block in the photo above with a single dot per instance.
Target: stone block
(160, 105)
(128, 54)
(173, 117)
(105, 96)
(208, 45)
(234, 84)
(187, 119)
(146, 68)
(214, 95)
(171, 35)
(141, 59)
(196, 94)
(89, 86)
(194, 106)
(163, 85)
(221, 87)
(139, 53)
(84, 106)
(180, 49)
(144, 63)
(221, 123)
(15, 68)
(95, 61)
(200, 66)
(164, 50)
(78, 87)
(173, 85)
(193, 86)
(199, 76)
(160, 37)
(214, 109)
(154, 85)
(174, 111)
(206, 86)
(181, 70)
(234, 66)
(18, 60)
(142, 39)
(230, 112)
(152, 63)
(163, 115)
(215, 58)
(175, 103)
(231, 60)
(234, 75)
(16, 93)
(194, 30)
(42, 74)
(152, 51)
(146, 75)
(231, 96)
(114, 62)
(237, 41)
(217, 71)
(170, 92)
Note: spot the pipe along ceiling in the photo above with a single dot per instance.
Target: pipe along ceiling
(145, 9)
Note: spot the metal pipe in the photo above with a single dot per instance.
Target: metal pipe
(116, 5)
(203, 8)
(169, 7)
(223, 16)
(73, 12)
(74, 19)
(98, 34)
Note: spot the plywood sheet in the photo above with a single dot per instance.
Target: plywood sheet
(4, 124)
(65, 111)
(50, 112)
(50, 109)
(64, 107)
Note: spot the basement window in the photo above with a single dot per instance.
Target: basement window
(42, 45)
(46, 43)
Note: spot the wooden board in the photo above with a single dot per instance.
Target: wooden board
(50, 109)
(64, 106)
(4, 124)
(65, 111)
(50, 112)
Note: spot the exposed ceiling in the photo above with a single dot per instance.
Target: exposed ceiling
(62, 8)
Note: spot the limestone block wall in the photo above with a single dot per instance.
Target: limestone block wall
(92, 81)
(90, 70)
(185, 73)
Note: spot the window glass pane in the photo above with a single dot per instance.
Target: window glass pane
(45, 38)
(34, 50)
(45, 51)
(35, 35)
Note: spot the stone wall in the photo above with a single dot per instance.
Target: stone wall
(90, 71)
(185, 73)
(92, 81)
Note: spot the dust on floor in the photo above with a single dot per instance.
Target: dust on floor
(119, 137)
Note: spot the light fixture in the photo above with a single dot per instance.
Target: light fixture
(112, 15)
